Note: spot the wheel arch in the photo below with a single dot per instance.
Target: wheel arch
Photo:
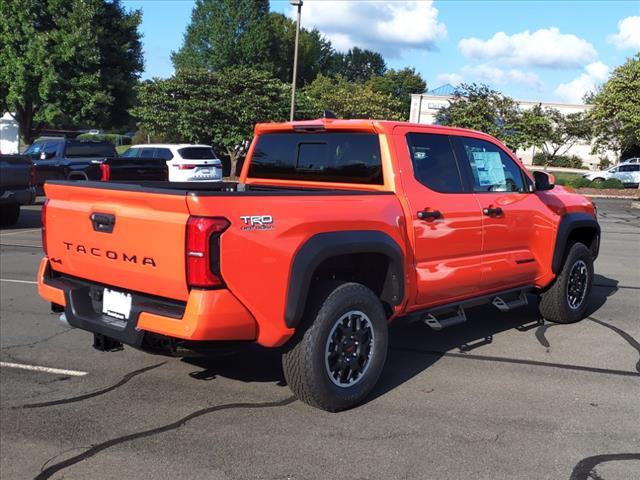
(575, 227)
(372, 257)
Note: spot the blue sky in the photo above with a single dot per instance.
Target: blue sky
(531, 50)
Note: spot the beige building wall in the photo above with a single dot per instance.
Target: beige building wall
(425, 107)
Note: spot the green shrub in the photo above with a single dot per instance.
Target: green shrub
(610, 183)
(580, 182)
(109, 137)
(565, 161)
(604, 163)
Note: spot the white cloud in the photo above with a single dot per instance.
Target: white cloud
(454, 79)
(628, 35)
(573, 92)
(546, 48)
(497, 76)
(388, 27)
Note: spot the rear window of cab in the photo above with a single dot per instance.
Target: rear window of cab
(345, 157)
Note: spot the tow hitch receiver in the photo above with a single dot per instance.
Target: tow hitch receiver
(106, 344)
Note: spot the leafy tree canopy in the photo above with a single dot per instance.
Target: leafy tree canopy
(216, 108)
(347, 100)
(358, 65)
(68, 63)
(616, 112)
(399, 84)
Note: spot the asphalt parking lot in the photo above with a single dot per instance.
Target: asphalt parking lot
(501, 397)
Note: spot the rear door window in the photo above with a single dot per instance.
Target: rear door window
(434, 164)
(147, 152)
(164, 153)
(325, 157)
(197, 153)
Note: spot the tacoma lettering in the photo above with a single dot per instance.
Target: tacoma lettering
(109, 254)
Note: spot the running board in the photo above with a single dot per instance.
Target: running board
(505, 306)
(437, 324)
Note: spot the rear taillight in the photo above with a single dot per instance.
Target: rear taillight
(32, 176)
(105, 172)
(44, 226)
(203, 251)
(186, 166)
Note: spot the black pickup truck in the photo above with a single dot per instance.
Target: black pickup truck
(67, 159)
(16, 186)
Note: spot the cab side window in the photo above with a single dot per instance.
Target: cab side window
(491, 168)
(434, 164)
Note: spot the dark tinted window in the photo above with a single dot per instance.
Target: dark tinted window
(630, 168)
(147, 152)
(132, 152)
(493, 170)
(89, 149)
(196, 153)
(163, 153)
(329, 157)
(434, 164)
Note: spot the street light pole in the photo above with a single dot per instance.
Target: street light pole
(295, 3)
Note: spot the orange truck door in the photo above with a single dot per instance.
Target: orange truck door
(516, 224)
(445, 222)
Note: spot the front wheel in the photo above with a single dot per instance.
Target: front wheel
(566, 300)
(338, 359)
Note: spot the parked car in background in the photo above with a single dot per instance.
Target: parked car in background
(16, 186)
(186, 163)
(67, 159)
(628, 173)
(631, 160)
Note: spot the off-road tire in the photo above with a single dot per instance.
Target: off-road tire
(304, 364)
(9, 214)
(554, 302)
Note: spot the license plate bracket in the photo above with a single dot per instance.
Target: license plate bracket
(116, 304)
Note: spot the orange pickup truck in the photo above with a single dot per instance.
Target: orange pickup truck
(336, 228)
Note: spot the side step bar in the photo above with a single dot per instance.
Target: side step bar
(454, 313)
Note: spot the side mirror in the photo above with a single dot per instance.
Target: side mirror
(544, 181)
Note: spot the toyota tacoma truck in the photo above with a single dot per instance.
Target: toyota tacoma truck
(335, 229)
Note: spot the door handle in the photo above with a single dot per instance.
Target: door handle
(429, 214)
(492, 212)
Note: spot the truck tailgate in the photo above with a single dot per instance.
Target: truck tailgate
(122, 238)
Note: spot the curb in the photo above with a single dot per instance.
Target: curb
(614, 197)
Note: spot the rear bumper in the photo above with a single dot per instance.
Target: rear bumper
(24, 196)
(208, 315)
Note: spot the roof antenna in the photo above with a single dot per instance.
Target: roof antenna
(328, 114)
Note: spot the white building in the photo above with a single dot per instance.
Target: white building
(425, 107)
(9, 135)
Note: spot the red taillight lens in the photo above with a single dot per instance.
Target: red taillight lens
(203, 251)
(32, 175)
(44, 226)
(186, 166)
(105, 172)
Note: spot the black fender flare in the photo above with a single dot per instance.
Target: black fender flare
(568, 224)
(323, 246)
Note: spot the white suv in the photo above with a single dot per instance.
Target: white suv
(627, 173)
(186, 162)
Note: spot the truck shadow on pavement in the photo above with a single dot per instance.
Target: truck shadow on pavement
(29, 218)
(414, 347)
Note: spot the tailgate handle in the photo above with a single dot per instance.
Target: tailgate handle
(103, 222)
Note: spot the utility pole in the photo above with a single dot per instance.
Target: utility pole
(295, 3)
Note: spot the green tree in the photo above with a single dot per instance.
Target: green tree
(565, 131)
(358, 65)
(315, 54)
(616, 111)
(399, 84)
(478, 107)
(217, 108)
(226, 33)
(347, 100)
(68, 63)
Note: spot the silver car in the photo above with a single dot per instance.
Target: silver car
(628, 173)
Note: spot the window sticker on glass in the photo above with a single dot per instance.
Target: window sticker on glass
(489, 168)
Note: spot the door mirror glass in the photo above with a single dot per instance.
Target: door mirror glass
(544, 181)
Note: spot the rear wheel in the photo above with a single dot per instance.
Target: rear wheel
(597, 180)
(566, 300)
(9, 214)
(338, 359)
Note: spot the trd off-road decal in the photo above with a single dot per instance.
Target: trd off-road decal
(257, 222)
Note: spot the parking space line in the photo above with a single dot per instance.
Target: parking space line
(30, 282)
(21, 231)
(38, 368)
